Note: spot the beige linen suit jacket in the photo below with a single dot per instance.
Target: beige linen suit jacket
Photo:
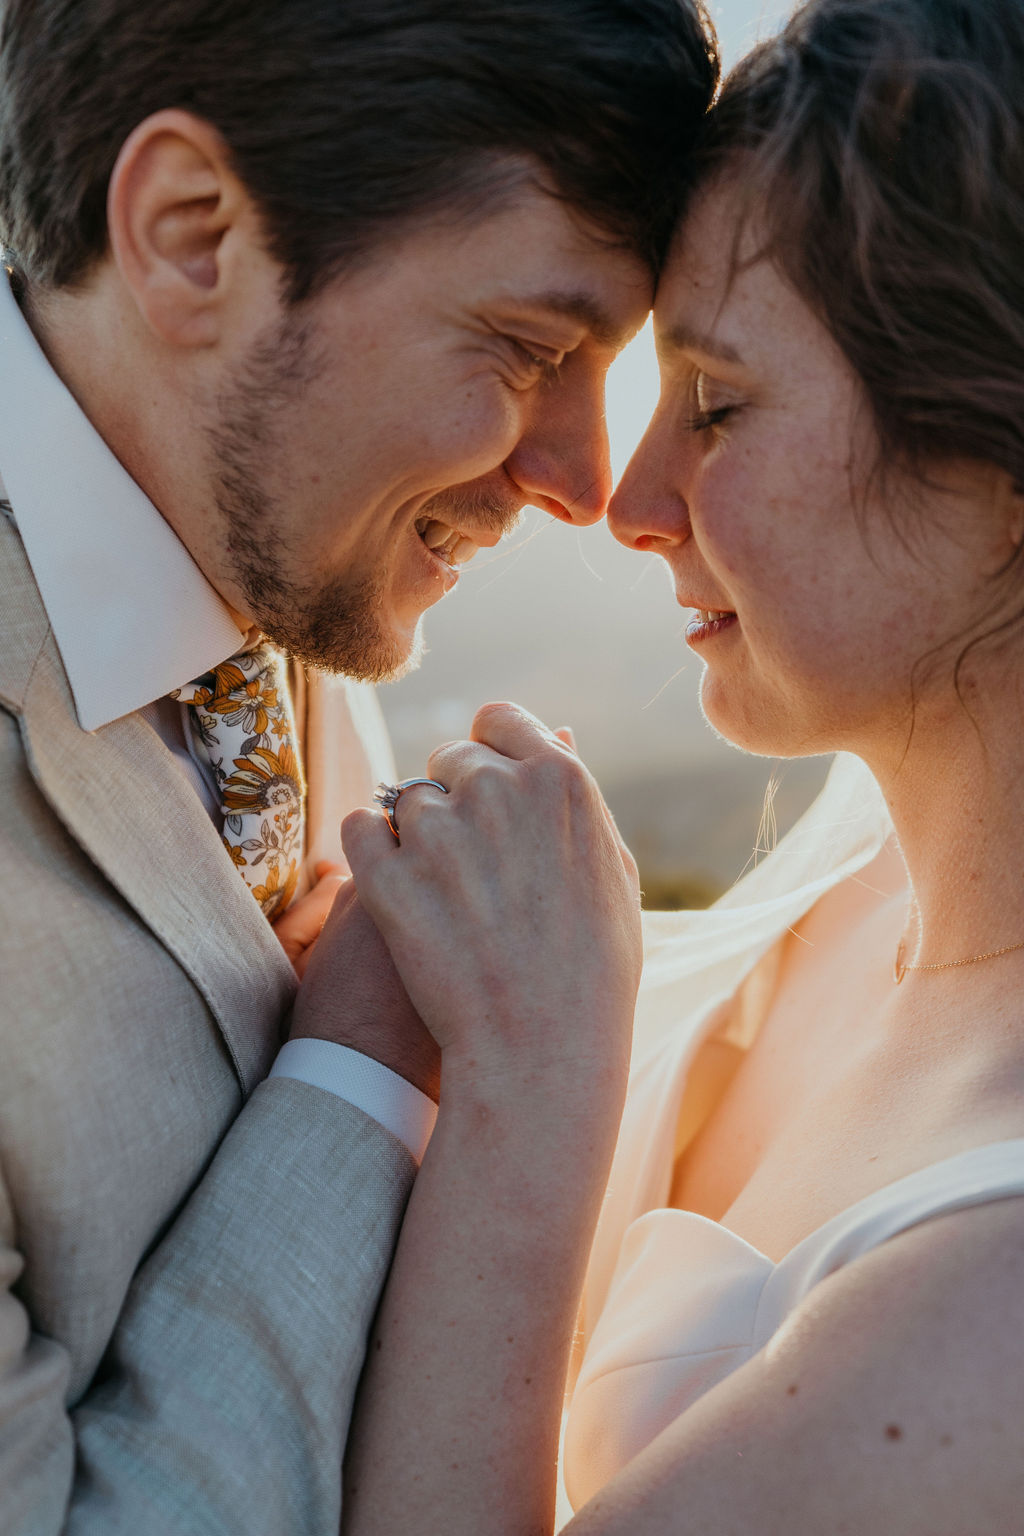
(190, 1257)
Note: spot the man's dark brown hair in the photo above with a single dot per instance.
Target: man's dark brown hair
(348, 118)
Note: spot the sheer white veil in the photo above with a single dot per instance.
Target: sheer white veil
(694, 962)
(693, 959)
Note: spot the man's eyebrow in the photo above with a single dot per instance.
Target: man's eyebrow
(681, 338)
(585, 309)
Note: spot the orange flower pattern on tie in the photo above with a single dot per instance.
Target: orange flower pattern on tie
(243, 731)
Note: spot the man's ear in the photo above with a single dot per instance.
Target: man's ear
(177, 218)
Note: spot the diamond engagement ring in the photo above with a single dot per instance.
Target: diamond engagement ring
(386, 796)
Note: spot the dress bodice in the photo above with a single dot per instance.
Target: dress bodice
(690, 1301)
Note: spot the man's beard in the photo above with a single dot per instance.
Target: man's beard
(336, 625)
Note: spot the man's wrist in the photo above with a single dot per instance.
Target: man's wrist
(411, 1053)
(352, 1075)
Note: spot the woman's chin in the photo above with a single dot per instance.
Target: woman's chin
(759, 731)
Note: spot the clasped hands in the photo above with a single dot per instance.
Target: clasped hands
(502, 932)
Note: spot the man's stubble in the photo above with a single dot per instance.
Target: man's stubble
(336, 624)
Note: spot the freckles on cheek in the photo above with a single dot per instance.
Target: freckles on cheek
(737, 533)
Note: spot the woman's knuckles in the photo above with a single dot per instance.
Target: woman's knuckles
(451, 763)
(509, 729)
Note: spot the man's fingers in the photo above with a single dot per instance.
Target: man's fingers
(299, 927)
(345, 898)
(566, 737)
(328, 869)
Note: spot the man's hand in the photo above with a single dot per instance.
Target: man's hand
(299, 928)
(351, 994)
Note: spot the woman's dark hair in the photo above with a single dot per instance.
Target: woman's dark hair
(347, 118)
(881, 146)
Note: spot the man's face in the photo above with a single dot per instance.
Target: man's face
(378, 434)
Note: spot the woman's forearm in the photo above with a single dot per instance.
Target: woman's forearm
(457, 1422)
(519, 944)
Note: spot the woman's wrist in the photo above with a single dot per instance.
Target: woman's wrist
(558, 1098)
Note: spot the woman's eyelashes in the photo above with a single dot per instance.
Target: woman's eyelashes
(704, 414)
(704, 421)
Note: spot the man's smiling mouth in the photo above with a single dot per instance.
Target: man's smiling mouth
(447, 543)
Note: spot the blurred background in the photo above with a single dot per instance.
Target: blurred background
(588, 634)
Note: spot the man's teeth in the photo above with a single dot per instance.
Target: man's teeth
(447, 543)
(709, 615)
(434, 534)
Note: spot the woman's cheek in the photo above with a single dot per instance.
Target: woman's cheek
(724, 518)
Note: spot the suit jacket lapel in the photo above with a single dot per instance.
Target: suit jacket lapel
(124, 801)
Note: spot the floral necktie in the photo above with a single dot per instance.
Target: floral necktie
(242, 728)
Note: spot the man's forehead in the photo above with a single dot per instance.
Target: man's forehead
(609, 329)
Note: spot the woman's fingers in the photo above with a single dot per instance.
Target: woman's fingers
(501, 733)
(507, 743)
(456, 761)
(366, 838)
(512, 731)
(565, 735)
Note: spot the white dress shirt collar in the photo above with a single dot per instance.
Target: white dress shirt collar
(132, 614)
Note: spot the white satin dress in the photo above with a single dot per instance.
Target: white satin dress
(674, 1302)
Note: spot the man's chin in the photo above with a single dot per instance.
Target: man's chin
(365, 651)
(388, 666)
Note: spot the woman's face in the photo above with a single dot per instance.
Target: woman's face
(754, 482)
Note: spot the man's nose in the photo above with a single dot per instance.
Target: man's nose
(561, 462)
(648, 511)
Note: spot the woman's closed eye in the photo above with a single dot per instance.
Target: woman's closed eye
(706, 411)
(704, 420)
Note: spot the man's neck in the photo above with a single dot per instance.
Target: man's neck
(134, 395)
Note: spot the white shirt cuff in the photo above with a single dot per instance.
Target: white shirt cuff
(375, 1089)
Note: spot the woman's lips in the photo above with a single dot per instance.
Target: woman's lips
(706, 623)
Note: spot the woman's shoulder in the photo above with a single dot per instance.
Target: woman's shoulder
(892, 1395)
(916, 1349)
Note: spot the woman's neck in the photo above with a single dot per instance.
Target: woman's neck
(957, 804)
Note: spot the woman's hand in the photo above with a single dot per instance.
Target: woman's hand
(512, 911)
(511, 906)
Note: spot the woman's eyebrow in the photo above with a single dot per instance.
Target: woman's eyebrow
(681, 338)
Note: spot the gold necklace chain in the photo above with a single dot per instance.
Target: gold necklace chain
(900, 966)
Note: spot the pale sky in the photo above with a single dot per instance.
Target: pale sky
(741, 22)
